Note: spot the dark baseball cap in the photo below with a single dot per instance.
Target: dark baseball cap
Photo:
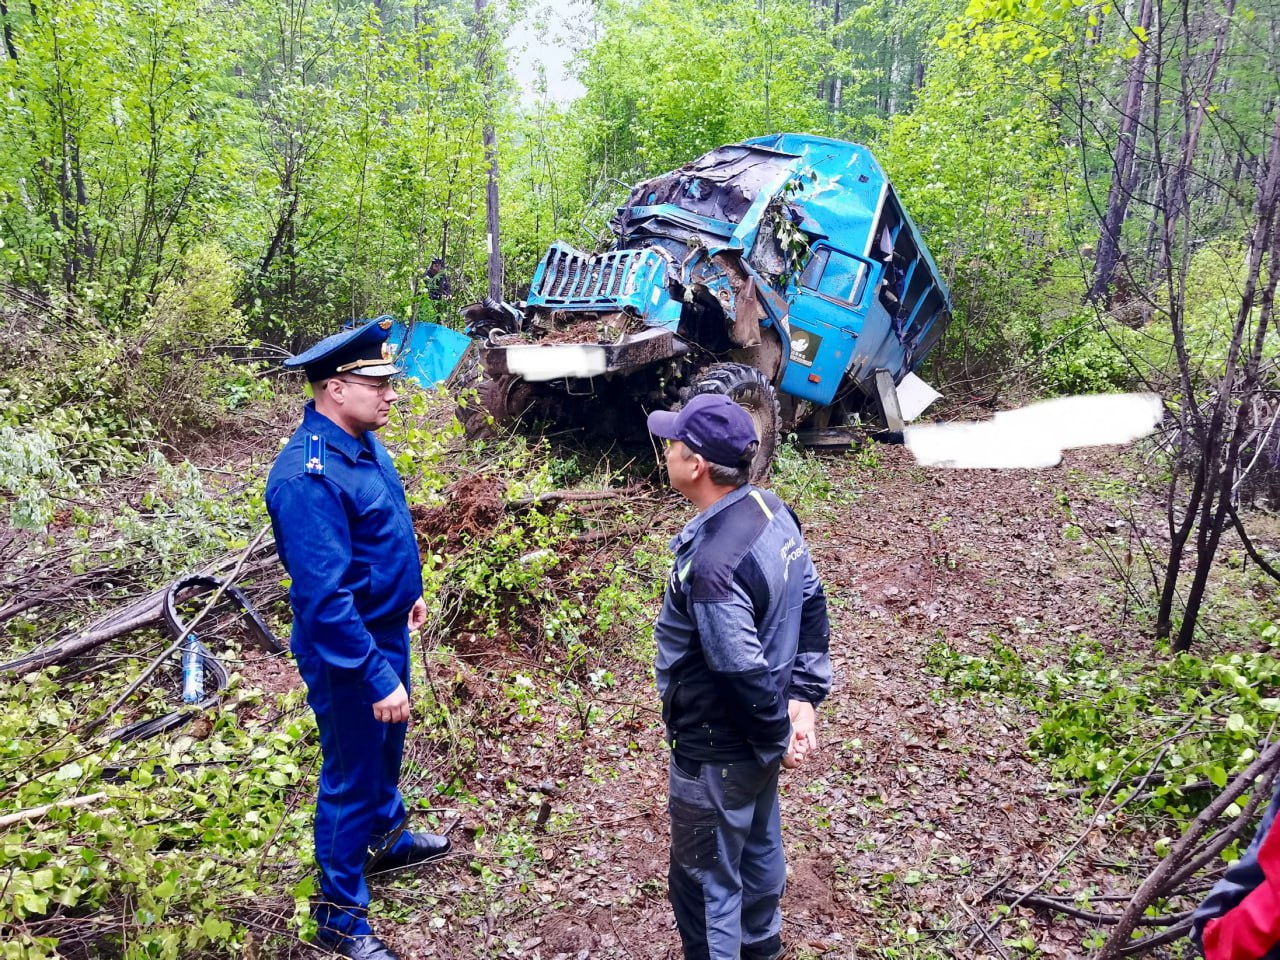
(712, 426)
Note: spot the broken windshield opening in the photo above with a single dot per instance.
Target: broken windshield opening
(720, 186)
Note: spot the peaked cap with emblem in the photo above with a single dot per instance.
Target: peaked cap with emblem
(364, 351)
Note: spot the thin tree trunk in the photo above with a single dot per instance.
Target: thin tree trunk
(8, 31)
(491, 158)
(1108, 254)
(1179, 534)
(1226, 429)
(1191, 137)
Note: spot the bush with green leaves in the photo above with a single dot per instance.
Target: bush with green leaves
(1083, 353)
(158, 849)
(51, 454)
(181, 362)
(1174, 723)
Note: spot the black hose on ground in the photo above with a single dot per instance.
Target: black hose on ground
(213, 668)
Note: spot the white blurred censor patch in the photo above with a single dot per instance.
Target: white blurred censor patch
(1035, 436)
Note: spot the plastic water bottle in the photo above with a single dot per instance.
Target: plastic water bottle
(192, 670)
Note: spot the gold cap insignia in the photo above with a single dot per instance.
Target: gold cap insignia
(385, 324)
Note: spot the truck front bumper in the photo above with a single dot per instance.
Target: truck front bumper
(539, 363)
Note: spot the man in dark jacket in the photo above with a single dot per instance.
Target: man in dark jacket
(1240, 919)
(344, 534)
(742, 664)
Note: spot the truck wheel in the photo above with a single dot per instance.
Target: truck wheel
(751, 390)
(469, 386)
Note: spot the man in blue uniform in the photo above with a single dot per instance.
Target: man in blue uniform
(344, 534)
(742, 664)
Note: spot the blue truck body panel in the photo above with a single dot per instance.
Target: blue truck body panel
(788, 254)
(427, 352)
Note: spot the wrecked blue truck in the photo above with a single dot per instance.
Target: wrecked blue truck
(782, 271)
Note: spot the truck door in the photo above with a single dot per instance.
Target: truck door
(828, 308)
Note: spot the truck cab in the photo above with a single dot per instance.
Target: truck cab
(783, 271)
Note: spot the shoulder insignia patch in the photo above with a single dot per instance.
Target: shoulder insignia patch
(315, 455)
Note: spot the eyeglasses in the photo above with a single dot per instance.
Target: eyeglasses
(382, 389)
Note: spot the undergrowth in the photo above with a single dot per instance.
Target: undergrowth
(1168, 730)
(179, 837)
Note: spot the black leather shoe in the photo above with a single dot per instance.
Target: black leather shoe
(366, 948)
(356, 948)
(425, 848)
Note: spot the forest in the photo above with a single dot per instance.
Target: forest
(1054, 716)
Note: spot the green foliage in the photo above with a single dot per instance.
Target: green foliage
(1215, 276)
(1185, 719)
(32, 474)
(176, 842)
(52, 453)
(803, 479)
(423, 443)
(179, 522)
(717, 72)
(129, 99)
(515, 584)
(181, 365)
(328, 148)
(1081, 353)
(981, 167)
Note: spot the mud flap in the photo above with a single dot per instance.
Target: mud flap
(890, 411)
(914, 397)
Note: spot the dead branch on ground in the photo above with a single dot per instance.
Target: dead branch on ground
(1158, 884)
(145, 611)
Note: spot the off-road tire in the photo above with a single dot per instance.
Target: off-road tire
(470, 386)
(751, 390)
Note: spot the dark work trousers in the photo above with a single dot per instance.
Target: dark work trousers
(359, 803)
(727, 872)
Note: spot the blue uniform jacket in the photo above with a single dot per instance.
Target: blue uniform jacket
(344, 534)
(743, 629)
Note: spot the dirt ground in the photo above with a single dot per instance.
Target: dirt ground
(917, 804)
(919, 807)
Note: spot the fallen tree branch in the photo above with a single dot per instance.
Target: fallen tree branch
(144, 612)
(1218, 842)
(1080, 913)
(576, 496)
(984, 933)
(1095, 821)
(34, 813)
(1155, 765)
(1176, 932)
(1249, 548)
(182, 637)
(1153, 887)
(15, 606)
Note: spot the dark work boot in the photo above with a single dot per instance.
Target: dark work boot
(770, 949)
(366, 948)
(425, 848)
(355, 948)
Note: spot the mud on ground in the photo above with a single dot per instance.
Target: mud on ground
(917, 802)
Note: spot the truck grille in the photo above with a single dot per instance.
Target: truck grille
(572, 277)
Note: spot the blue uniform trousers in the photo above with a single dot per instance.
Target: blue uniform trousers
(359, 802)
(727, 872)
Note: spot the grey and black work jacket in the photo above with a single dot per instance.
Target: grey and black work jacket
(743, 629)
